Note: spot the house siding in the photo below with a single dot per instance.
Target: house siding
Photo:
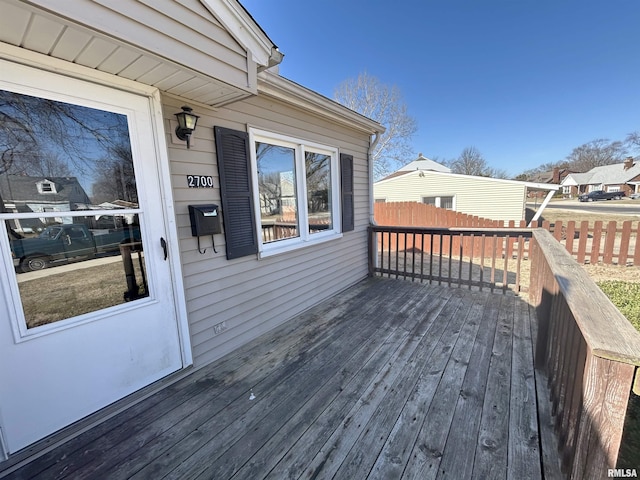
(251, 295)
(482, 197)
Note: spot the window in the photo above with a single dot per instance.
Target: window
(296, 187)
(447, 202)
(380, 200)
(303, 183)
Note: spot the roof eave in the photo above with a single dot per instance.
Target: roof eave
(533, 185)
(246, 31)
(281, 88)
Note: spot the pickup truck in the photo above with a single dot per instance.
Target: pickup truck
(600, 195)
(58, 243)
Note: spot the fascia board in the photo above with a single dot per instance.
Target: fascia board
(245, 30)
(290, 92)
(424, 173)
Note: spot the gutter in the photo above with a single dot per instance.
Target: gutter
(274, 59)
(283, 89)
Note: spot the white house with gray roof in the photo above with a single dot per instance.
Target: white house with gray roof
(619, 177)
(424, 163)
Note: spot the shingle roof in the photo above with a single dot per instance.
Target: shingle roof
(424, 163)
(615, 174)
(18, 188)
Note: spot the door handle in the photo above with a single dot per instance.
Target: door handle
(163, 242)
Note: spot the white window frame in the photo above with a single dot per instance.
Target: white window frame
(439, 201)
(299, 146)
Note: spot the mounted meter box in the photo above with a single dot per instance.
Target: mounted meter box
(205, 220)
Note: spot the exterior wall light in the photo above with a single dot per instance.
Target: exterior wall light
(186, 124)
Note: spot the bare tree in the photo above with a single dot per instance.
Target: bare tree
(382, 103)
(30, 127)
(596, 153)
(633, 141)
(471, 162)
(115, 178)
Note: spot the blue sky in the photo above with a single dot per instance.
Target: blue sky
(523, 81)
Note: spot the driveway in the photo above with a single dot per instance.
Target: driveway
(618, 207)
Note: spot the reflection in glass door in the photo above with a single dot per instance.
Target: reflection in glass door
(89, 308)
(68, 192)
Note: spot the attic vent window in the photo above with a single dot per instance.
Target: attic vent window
(47, 187)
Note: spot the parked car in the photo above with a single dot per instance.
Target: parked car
(59, 243)
(634, 196)
(600, 195)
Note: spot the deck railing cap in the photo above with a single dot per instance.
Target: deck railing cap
(607, 333)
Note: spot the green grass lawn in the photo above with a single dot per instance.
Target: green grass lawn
(626, 296)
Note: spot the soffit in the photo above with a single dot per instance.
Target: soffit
(37, 30)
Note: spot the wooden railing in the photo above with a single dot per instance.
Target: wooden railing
(609, 243)
(590, 354)
(281, 230)
(475, 258)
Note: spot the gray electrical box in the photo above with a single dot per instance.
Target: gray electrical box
(205, 220)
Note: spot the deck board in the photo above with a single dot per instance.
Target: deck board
(389, 379)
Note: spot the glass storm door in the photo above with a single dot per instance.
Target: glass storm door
(88, 313)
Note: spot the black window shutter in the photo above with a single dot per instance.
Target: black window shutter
(234, 167)
(346, 181)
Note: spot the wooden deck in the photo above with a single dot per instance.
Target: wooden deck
(388, 380)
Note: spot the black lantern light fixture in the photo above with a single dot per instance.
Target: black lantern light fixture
(186, 124)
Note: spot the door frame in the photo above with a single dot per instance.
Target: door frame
(42, 62)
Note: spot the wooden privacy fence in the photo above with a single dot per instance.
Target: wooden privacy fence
(590, 354)
(610, 243)
(475, 258)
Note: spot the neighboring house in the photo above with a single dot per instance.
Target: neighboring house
(31, 194)
(485, 197)
(619, 177)
(420, 163)
(133, 65)
(555, 176)
(424, 163)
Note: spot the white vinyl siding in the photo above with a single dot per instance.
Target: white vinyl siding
(251, 295)
(479, 196)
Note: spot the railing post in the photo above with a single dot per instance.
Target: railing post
(605, 397)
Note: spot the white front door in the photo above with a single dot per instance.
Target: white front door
(87, 313)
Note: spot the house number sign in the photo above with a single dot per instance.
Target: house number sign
(200, 181)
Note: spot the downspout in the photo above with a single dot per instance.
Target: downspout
(372, 240)
(372, 146)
